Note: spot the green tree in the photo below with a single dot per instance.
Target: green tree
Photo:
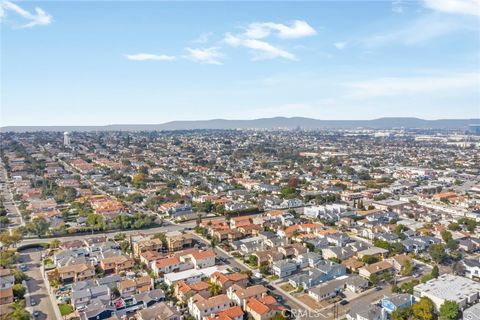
(95, 221)
(402, 313)
(446, 236)
(423, 309)
(10, 239)
(7, 259)
(407, 268)
(374, 279)
(253, 260)
(18, 311)
(437, 252)
(449, 310)
(214, 288)
(18, 275)
(18, 291)
(278, 316)
(435, 272)
(38, 226)
(54, 244)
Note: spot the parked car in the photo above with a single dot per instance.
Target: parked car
(32, 302)
(344, 302)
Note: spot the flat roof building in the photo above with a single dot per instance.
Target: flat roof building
(449, 287)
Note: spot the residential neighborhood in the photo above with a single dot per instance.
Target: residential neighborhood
(240, 224)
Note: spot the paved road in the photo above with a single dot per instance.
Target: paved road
(36, 286)
(16, 218)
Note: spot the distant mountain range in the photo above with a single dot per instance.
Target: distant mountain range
(264, 123)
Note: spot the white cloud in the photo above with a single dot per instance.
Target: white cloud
(262, 49)
(394, 86)
(297, 29)
(149, 57)
(38, 18)
(210, 55)
(203, 37)
(466, 7)
(340, 45)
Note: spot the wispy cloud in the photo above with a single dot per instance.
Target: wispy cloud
(149, 57)
(203, 38)
(297, 29)
(420, 30)
(465, 7)
(210, 55)
(254, 37)
(38, 18)
(398, 6)
(340, 45)
(261, 49)
(394, 86)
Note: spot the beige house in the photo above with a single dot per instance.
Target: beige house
(76, 272)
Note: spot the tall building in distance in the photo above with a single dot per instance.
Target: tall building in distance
(66, 139)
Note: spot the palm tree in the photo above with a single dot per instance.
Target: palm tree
(18, 311)
(214, 288)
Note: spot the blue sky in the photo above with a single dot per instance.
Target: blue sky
(88, 63)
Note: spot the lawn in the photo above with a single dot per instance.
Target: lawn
(287, 287)
(65, 309)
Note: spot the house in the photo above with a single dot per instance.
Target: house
(472, 268)
(76, 272)
(148, 298)
(171, 264)
(356, 284)
(7, 280)
(202, 259)
(376, 268)
(308, 259)
(284, 268)
(396, 301)
(225, 281)
(340, 253)
(372, 252)
(232, 313)
(263, 308)
(326, 290)
(159, 311)
(6, 296)
(292, 250)
(81, 298)
(129, 287)
(267, 256)
(353, 264)
(399, 260)
(142, 246)
(184, 291)
(240, 295)
(116, 264)
(177, 240)
(199, 307)
(361, 312)
(324, 271)
(98, 310)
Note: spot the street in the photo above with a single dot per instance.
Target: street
(36, 286)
